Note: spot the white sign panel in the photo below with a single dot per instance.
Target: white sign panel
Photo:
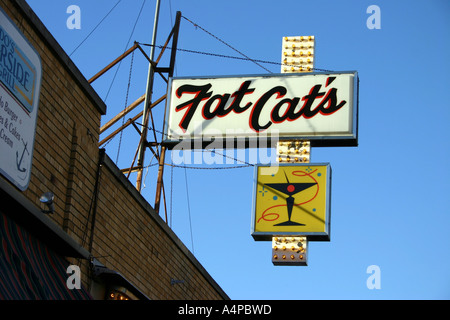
(20, 82)
(321, 107)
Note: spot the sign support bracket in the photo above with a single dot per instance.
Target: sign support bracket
(159, 149)
(297, 56)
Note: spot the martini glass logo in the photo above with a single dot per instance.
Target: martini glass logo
(289, 189)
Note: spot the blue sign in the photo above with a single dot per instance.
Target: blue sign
(20, 82)
(17, 73)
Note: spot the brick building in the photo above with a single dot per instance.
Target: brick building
(99, 222)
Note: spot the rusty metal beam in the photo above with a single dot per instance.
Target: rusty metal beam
(159, 183)
(122, 113)
(112, 64)
(130, 121)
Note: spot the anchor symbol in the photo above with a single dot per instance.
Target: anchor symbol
(19, 162)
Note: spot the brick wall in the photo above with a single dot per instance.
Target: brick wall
(129, 237)
(65, 148)
(135, 241)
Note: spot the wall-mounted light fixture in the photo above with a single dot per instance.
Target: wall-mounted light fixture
(115, 294)
(47, 198)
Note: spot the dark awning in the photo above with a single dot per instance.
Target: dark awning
(29, 269)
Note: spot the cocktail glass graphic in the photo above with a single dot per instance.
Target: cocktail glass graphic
(290, 189)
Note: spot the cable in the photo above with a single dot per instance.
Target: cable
(126, 46)
(207, 168)
(171, 192)
(170, 12)
(189, 209)
(228, 45)
(229, 57)
(204, 150)
(126, 103)
(147, 167)
(95, 28)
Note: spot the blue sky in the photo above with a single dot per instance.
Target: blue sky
(390, 203)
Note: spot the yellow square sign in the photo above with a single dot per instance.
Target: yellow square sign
(292, 199)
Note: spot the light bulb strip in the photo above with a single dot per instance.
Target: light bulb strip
(289, 250)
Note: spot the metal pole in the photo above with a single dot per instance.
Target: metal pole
(159, 183)
(148, 98)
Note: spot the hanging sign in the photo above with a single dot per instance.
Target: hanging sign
(292, 200)
(20, 82)
(320, 107)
